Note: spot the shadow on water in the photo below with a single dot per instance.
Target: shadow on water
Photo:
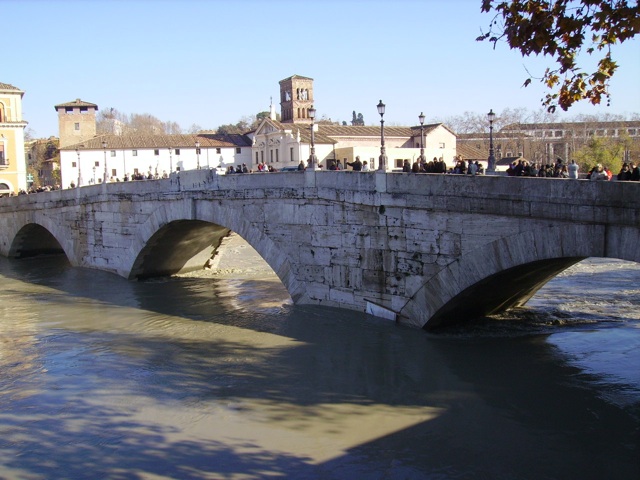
(506, 409)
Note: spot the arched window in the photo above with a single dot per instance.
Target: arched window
(2, 117)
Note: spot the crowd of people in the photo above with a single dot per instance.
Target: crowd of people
(519, 168)
(434, 166)
(560, 169)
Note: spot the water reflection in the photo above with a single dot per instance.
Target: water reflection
(193, 379)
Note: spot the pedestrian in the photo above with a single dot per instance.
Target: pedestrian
(356, 164)
(573, 170)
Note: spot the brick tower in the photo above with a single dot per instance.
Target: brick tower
(296, 98)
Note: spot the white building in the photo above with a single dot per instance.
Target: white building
(113, 156)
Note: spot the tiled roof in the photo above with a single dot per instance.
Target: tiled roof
(470, 152)
(6, 86)
(123, 142)
(330, 134)
(77, 103)
(296, 76)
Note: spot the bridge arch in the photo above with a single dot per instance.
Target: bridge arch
(40, 236)
(508, 272)
(199, 232)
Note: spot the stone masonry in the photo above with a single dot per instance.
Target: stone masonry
(430, 248)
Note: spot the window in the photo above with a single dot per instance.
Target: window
(76, 126)
(97, 164)
(291, 154)
(198, 152)
(73, 164)
(156, 152)
(256, 158)
(177, 151)
(262, 155)
(218, 150)
(68, 109)
(538, 134)
(441, 144)
(134, 153)
(399, 162)
(277, 156)
(238, 150)
(558, 133)
(84, 110)
(113, 153)
(271, 156)
(632, 131)
(600, 133)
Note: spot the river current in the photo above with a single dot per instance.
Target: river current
(222, 377)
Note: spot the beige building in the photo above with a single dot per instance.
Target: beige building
(13, 169)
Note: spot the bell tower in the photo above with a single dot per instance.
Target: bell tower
(296, 98)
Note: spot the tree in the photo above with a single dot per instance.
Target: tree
(112, 121)
(608, 151)
(563, 29)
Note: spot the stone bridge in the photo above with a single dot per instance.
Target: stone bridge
(424, 249)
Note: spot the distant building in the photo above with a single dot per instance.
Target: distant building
(76, 122)
(545, 142)
(288, 142)
(13, 169)
(86, 158)
(115, 156)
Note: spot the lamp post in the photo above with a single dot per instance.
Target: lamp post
(421, 118)
(170, 160)
(382, 164)
(104, 147)
(198, 154)
(491, 163)
(79, 167)
(313, 160)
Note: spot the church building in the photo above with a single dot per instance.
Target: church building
(286, 142)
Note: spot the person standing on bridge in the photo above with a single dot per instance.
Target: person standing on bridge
(573, 170)
(356, 164)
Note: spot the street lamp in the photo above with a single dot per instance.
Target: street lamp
(170, 160)
(382, 165)
(104, 147)
(313, 160)
(491, 167)
(79, 168)
(421, 118)
(198, 154)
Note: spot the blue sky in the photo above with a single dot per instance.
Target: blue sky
(213, 62)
